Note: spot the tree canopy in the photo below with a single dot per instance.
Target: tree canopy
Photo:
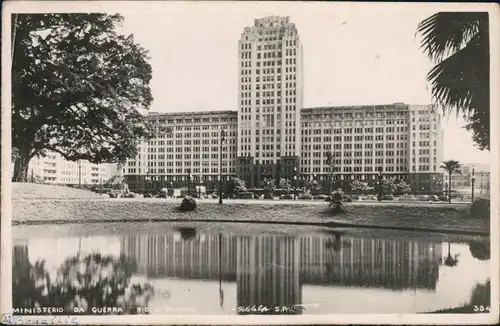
(235, 186)
(93, 280)
(285, 185)
(451, 166)
(458, 43)
(358, 187)
(77, 88)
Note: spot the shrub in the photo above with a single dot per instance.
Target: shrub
(480, 208)
(188, 204)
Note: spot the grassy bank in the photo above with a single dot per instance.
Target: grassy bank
(41, 191)
(440, 217)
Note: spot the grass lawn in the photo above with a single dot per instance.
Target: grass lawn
(440, 217)
(43, 191)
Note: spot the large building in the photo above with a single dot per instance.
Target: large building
(53, 168)
(270, 97)
(271, 135)
(404, 141)
(187, 146)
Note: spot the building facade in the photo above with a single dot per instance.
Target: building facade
(270, 97)
(272, 136)
(271, 269)
(403, 141)
(187, 148)
(54, 169)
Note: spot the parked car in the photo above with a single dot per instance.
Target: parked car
(128, 195)
(370, 197)
(148, 195)
(387, 197)
(113, 194)
(355, 197)
(286, 196)
(433, 198)
(408, 198)
(443, 198)
(320, 197)
(305, 197)
(245, 195)
(346, 198)
(161, 194)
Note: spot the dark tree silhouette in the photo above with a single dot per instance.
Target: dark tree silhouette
(480, 249)
(458, 42)
(450, 166)
(77, 86)
(91, 281)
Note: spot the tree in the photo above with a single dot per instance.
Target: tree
(388, 187)
(451, 166)
(480, 249)
(115, 182)
(458, 43)
(77, 88)
(235, 186)
(401, 187)
(358, 187)
(269, 187)
(285, 185)
(311, 186)
(91, 281)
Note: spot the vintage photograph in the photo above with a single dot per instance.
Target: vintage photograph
(249, 159)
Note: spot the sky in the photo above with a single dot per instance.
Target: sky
(353, 55)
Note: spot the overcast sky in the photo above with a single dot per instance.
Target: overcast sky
(352, 55)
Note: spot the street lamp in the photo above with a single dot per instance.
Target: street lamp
(199, 189)
(189, 182)
(221, 292)
(222, 139)
(379, 184)
(314, 184)
(294, 183)
(473, 179)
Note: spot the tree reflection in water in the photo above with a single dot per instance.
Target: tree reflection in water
(82, 282)
(480, 249)
(450, 260)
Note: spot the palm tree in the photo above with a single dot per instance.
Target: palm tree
(458, 43)
(451, 166)
(329, 161)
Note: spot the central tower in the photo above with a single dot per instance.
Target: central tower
(270, 96)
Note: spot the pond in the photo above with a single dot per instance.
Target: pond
(187, 269)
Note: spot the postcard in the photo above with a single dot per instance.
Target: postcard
(249, 163)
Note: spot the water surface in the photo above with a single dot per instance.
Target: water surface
(206, 271)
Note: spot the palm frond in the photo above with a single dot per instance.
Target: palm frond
(447, 32)
(451, 166)
(461, 81)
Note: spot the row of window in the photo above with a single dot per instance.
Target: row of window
(163, 121)
(184, 171)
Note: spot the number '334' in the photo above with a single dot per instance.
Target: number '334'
(481, 308)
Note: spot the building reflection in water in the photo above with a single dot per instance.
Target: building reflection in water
(270, 270)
